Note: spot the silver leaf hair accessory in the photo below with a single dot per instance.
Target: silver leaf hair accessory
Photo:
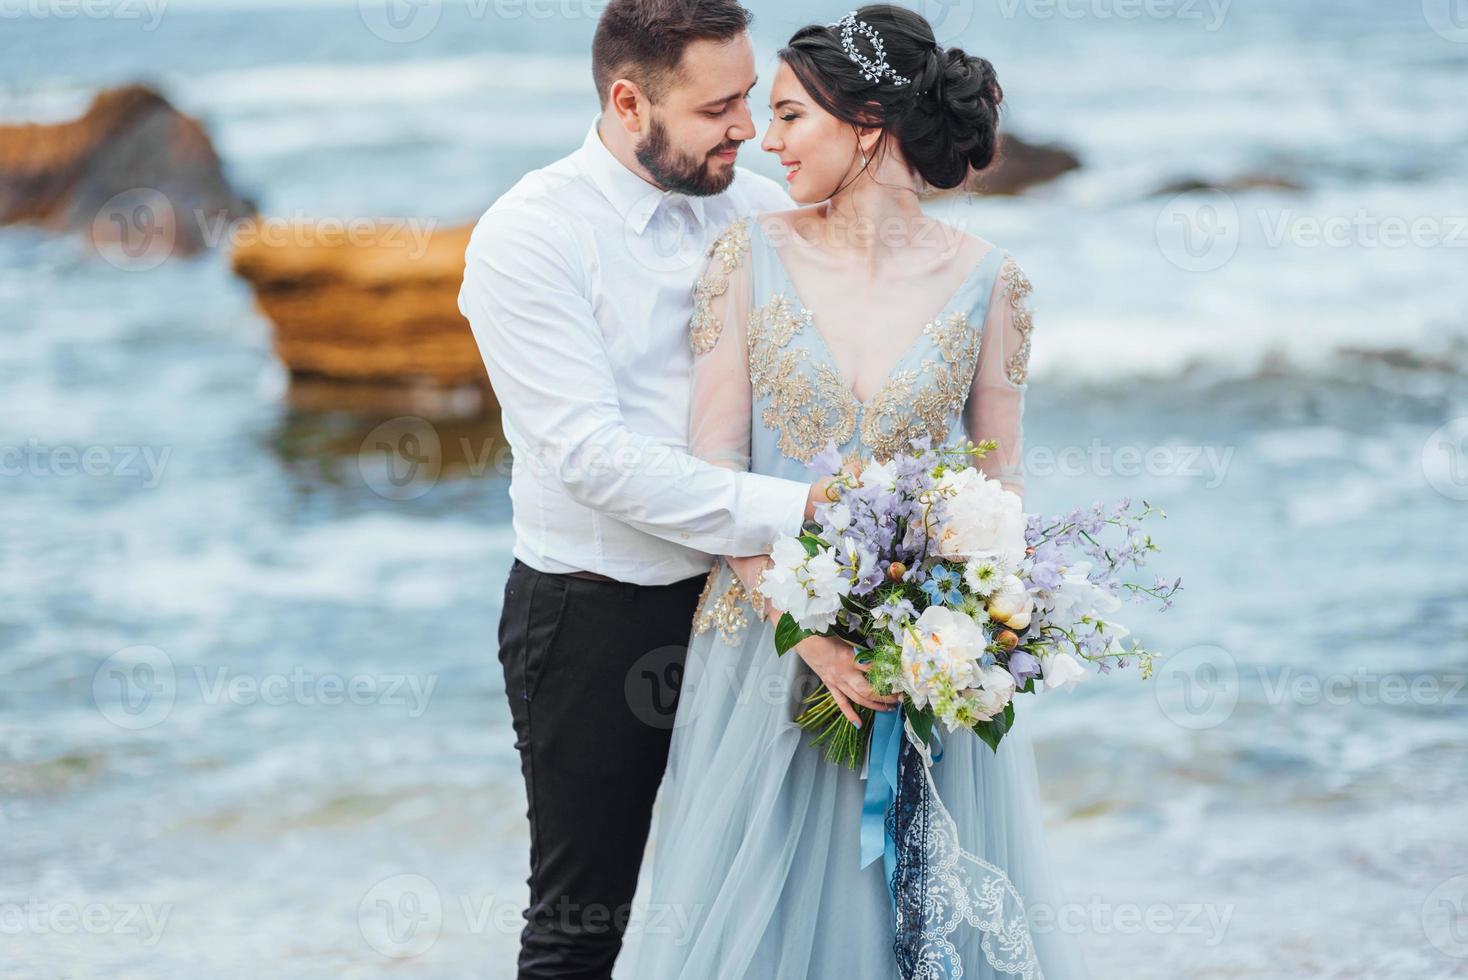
(872, 69)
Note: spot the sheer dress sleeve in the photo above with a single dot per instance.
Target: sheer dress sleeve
(996, 403)
(720, 424)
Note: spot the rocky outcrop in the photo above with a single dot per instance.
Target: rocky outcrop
(378, 307)
(132, 168)
(1231, 185)
(1020, 165)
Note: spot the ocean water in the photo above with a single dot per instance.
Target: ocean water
(251, 719)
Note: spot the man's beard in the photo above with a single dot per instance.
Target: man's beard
(676, 171)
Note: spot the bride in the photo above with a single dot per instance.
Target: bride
(859, 321)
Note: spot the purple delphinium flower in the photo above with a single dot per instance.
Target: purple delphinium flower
(1044, 566)
(894, 608)
(828, 461)
(865, 571)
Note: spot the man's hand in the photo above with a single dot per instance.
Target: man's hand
(819, 495)
(820, 492)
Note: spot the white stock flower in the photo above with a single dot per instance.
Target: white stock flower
(808, 587)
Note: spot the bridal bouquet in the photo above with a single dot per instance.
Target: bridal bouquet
(956, 598)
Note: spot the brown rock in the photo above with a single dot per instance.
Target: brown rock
(1242, 182)
(1020, 165)
(374, 308)
(131, 142)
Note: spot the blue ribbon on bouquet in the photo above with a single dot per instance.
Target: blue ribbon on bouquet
(881, 791)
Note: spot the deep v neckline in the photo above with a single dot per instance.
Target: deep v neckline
(808, 320)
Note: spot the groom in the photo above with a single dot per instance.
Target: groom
(579, 286)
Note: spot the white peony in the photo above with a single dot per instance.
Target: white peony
(941, 644)
(979, 517)
(1012, 604)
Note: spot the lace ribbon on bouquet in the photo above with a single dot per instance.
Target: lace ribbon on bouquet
(938, 887)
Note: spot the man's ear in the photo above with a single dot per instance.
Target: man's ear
(629, 104)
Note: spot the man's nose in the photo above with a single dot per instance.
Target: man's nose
(743, 127)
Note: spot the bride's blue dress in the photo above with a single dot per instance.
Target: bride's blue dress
(755, 867)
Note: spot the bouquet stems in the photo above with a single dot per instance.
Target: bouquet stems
(844, 742)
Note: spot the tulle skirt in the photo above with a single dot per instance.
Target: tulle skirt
(755, 862)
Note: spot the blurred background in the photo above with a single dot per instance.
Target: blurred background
(256, 526)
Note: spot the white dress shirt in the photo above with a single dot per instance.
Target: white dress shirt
(578, 285)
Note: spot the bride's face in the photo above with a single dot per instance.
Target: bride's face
(817, 150)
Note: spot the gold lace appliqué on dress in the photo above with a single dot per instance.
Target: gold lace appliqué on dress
(1017, 286)
(730, 247)
(808, 408)
(726, 613)
(898, 412)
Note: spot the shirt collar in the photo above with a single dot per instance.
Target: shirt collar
(635, 199)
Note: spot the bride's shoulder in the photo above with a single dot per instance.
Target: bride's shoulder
(1009, 276)
(960, 242)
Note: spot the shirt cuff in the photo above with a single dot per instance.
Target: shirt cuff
(770, 508)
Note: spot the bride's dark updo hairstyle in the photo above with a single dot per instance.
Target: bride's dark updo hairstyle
(945, 118)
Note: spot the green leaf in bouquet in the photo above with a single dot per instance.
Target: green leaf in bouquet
(993, 730)
(921, 720)
(788, 633)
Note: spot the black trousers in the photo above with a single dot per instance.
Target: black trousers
(592, 673)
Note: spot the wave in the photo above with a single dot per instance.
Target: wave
(1426, 369)
(407, 83)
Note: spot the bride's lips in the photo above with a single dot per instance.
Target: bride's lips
(792, 167)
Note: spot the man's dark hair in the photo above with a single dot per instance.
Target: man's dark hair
(644, 40)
